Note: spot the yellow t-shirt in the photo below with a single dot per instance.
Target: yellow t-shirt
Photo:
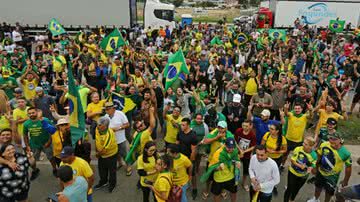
(91, 49)
(145, 138)
(296, 127)
(147, 167)
(270, 143)
(81, 168)
(222, 175)
(171, 131)
(180, 175)
(137, 80)
(57, 143)
(163, 184)
(323, 117)
(4, 123)
(114, 68)
(29, 88)
(251, 87)
(96, 108)
(106, 143)
(57, 65)
(20, 114)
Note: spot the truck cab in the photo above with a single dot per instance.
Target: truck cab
(158, 14)
(264, 18)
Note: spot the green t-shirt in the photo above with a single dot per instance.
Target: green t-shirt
(11, 85)
(37, 135)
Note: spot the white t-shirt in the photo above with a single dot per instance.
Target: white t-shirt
(116, 121)
(16, 36)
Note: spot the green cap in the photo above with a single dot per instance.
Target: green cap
(222, 124)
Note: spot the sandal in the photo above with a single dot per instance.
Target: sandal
(224, 195)
(205, 195)
(246, 188)
(129, 172)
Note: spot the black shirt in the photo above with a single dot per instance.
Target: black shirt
(185, 142)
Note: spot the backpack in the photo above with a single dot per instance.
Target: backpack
(175, 192)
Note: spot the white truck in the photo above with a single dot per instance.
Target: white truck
(317, 13)
(86, 12)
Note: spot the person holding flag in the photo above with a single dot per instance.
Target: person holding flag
(141, 136)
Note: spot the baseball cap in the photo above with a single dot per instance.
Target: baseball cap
(237, 98)
(156, 69)
(265, 112)
(18, 90)
(38, 89)
(222, 124)
(62, 121)
(335, 135)
(331, 121)
(230, 142)
(66, 152)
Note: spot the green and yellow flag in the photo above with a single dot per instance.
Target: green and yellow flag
(175, 67)
(336, 25)
(55, 27)
(76, 117)
(275, 34)
(112, 41)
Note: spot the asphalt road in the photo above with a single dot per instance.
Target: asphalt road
(126, 187)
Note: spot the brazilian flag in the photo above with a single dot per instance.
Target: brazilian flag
(112, 41)
(122, 103)
(241, 39)
(275, 34)
(76, 117)
(175, 67)
(55, 27)
(336, 25)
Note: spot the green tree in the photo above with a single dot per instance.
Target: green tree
(176, 3)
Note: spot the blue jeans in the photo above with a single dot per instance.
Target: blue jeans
(183, 194)
(89, 198)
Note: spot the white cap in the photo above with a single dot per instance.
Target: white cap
(265, 112)
(237, 98)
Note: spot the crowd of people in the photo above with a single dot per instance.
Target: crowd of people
(250, 110)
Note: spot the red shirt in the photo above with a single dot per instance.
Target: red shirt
(245, 141)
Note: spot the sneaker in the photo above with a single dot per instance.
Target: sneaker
(313, 199)
(35, 174)
(111, 188)
(194, 194)
(99, 186)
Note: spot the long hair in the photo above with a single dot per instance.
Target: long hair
(279, 137)
(146, 148)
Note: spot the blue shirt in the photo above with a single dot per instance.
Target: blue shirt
(262, 127)
(77, 192)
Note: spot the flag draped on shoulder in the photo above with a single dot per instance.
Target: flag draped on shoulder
(76, 117)
(112, 41)
(275, 34)
(336, 25)
(122, 103)
(55, 27)
(175, 67)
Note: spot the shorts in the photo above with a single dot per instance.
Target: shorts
(292, 145)
(325, 183)
(122, 150)
(48, 152)
(217, 187)
(245, 165)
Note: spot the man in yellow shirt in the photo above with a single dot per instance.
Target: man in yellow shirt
(59, 62)
(30, 81)
(94, 111)
(182, 169)
(173, 122)
(20, 116)
(106, 151)
(80, 167)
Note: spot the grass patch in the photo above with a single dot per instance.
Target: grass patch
(350, 130)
